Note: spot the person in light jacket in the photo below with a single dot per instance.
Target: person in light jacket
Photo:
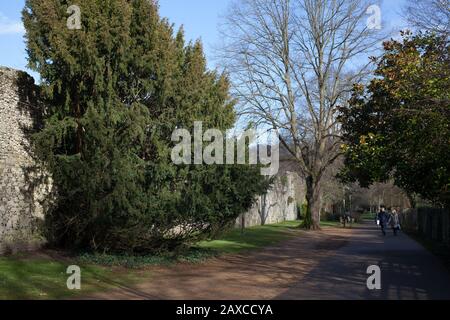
(395, 222)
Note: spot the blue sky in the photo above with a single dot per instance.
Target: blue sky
(199, 17)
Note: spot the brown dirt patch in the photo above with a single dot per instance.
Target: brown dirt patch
(262, 274)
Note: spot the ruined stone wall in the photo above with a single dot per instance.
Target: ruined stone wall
(277, 206)
(21, 209)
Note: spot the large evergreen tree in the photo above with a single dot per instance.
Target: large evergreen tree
(115, 90)
(398, 126)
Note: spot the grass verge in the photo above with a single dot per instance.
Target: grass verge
(192, 255)
(258, 237)
(368, 216)
(28, 277)
(25, 278)
(252, 238)
(332, 224)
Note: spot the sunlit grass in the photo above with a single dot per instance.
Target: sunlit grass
(253, 238)
(368, 216)
(25, 279)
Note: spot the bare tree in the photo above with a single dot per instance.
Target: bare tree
(429, 15)
(293, 63)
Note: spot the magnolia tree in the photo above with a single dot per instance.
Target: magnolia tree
(397, 127)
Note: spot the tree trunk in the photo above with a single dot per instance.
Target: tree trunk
(263, 210)
(412, 200)
(312, 216)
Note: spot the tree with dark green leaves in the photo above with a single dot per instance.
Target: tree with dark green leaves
(399, 125)
(115, 90)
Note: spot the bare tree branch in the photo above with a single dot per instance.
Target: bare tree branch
(429, 15)
(293, 63)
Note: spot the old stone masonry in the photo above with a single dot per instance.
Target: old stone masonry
(21, 195)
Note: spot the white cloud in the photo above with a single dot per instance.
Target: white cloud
(8, 26)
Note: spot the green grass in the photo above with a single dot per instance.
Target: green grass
(334, 224)
(253, 238)
(24, 279)
(368, 216)
(258, 237)
(192, 255)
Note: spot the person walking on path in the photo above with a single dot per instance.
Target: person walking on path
(395, 222)
(383, 218)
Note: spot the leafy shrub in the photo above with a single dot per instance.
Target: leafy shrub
(137, 262)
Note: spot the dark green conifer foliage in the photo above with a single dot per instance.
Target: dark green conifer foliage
(115, 91)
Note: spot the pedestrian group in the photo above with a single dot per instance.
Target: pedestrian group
(388, 218)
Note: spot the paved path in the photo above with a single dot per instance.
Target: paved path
(409, 272)
(330, 264)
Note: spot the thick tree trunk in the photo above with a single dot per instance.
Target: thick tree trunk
(312, 217)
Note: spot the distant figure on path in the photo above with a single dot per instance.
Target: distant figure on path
(383, 217)
(395, 222)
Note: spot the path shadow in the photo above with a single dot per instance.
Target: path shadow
(408, 271)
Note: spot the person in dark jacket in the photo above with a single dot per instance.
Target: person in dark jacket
(383, 218)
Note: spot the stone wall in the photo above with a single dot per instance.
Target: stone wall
(21, 193)
(278, 205)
